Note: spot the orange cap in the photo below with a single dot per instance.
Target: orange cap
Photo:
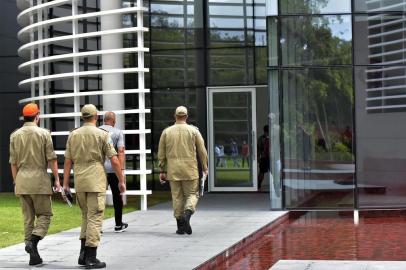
(31, 109)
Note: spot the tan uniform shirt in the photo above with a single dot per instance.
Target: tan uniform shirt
(87, 147)
(30, 150)
(177, 152)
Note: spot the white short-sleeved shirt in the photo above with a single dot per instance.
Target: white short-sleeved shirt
(117, 137)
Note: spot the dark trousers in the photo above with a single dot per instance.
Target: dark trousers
(117, 198)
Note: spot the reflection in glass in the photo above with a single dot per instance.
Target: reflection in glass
(271, 7)
(175, 68)
(315, 6)
(275, 129)
(381, 155)
(380, 5)
(273, 42)
(324, 40)
(231, 66)
(232, 125)
(317, 138)
(380, 39)
(381, 43)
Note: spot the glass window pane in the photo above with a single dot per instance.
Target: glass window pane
(271, 7)
(380, 39)
(231, 66)
(260, 65)
(315, 6)
(230, 38)
(226, 10)
(272, 41)
(226, 23)
(324, 40)
(176, 68)
(167, 9)
(164, 39)
(317, 138)
(379, 5)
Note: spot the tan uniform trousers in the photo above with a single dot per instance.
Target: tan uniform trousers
(92, 205)
(185, 195)
(39, 206)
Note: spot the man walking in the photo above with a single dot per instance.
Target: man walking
(31, 151)
(177, 151)
(87, 148)
(117, 137)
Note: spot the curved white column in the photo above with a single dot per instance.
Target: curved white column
(35, 49)
(112, 61)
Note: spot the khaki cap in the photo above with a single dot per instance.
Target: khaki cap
(181, 110)
(88, 110)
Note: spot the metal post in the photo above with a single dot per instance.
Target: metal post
(32, 51)
(75, 49)
(141, 106)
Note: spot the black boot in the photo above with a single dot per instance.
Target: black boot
(82, 254)
(91, 261)
(181, 224)
(187, 215)
(32, 248)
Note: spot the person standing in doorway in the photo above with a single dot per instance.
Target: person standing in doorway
(234, 153)
(179, 146)
(263, 155)
(117, 137)
(245, 152)
(86, 148)
(31, 151)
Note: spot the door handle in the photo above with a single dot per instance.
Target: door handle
(254, 146)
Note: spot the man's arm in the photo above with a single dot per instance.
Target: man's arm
(67, 166)
(53, 164)
(121, 150)
(14, 171)
(162, 157)
(13, 160)
(201, 151)
(121, 157)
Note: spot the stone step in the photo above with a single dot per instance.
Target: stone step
(338, 265)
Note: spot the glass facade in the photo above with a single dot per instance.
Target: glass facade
(195, 44)
(337, 71)
(335, 99)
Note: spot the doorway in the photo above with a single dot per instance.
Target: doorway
(232, 139)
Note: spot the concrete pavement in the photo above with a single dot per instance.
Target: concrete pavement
(150, 241)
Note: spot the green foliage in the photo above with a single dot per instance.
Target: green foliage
(318, 100)
(64, 218)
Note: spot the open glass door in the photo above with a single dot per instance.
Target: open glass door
(232, 139)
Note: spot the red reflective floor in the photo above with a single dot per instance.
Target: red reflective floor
(380, 235)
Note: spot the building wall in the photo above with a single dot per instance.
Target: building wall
(9, 91)
(193, 45)
(337, 69)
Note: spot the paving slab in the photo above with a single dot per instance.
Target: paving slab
(338, 265)
(150, 242)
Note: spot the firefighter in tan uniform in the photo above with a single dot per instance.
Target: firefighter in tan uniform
(87, 148)
(31, 150)
(178, 146)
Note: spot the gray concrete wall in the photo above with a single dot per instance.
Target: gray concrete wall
(9, 91)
